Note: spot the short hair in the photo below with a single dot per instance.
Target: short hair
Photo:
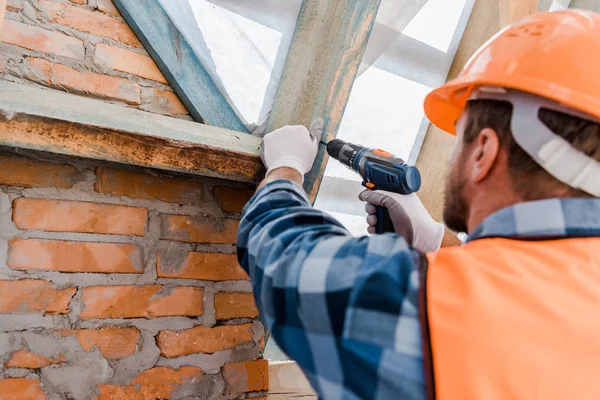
(582, 134)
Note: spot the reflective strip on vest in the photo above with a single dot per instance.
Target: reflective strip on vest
(512, 319)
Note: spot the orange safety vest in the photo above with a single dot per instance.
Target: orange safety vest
(508, 319)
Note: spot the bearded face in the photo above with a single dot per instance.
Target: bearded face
(456, 209)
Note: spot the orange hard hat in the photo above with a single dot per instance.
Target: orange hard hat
(555, 55)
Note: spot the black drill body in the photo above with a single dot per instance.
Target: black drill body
(379, 170)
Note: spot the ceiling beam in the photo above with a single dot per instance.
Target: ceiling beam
(513, 10)
(62, 123)
(322, 63)
(179, 64)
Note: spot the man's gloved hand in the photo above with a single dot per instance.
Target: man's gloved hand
(411, 219)
(292, 146)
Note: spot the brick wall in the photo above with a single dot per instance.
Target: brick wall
(117, 283)
(83, 47)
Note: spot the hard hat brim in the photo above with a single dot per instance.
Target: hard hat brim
(444, 105)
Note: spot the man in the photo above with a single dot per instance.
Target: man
(512, 314)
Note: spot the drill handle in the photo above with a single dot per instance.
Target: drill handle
(384, 221)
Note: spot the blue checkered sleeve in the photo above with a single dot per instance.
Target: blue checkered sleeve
(345, 308)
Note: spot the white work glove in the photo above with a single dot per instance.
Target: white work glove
(409, 216)
(292, 146)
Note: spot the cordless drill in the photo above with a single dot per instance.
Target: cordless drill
(379, 170)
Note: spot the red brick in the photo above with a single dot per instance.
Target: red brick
(201, 339)
(35, 38)
(127, 61)
(78, 216)
(14, 5)
(108, 6)
(184, 228)
(26, 359)
(18, 171)
(29, 295)
(141, 301)
(203, 266)
(143, 186)
(152, 384)
(232, 199)
(21, 389)
(249, 376)
(63, 77)
(235, 305)
(57, 255)
(89, 21)
(113, 343)
(167, 102)
(79, 1)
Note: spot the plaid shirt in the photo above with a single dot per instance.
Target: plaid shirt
(346, 308)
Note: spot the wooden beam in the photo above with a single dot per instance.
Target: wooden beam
(287, 381)
(514, 10)
(45, 120)
(179, 64)
(323, 60)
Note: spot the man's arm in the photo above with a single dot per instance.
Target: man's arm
(332, 301)
(284, 173)
(449, 239)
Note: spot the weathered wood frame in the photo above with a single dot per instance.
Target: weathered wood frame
(51, 121)
(321, 66)
(313, 85)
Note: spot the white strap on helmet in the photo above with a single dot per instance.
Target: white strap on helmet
(550, 151)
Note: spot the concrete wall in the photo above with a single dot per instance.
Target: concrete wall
(115, 282)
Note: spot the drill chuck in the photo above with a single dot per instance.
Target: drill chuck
(344, 152)
(334, 147)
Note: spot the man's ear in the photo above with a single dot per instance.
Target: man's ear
(484, 155)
